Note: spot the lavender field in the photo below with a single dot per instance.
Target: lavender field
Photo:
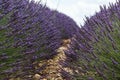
(38, 43)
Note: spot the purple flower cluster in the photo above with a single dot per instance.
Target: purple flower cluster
(29, 32)
(97, 44)
(66, 25)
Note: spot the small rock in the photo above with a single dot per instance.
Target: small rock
(36, 76)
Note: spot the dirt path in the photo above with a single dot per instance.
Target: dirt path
(53, 68)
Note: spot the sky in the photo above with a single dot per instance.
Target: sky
(77, 9)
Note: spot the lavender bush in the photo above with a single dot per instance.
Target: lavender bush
(98, 45)
(29, 32)
(65, 24)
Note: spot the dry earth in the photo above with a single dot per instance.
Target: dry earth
(52, 68)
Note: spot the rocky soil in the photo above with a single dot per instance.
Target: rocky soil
(52, 69)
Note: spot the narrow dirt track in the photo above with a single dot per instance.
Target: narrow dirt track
(53, 68)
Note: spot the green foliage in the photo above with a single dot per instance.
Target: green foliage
(107, 49)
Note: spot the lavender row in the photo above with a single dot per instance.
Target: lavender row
(29, 32)
(97, 45)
